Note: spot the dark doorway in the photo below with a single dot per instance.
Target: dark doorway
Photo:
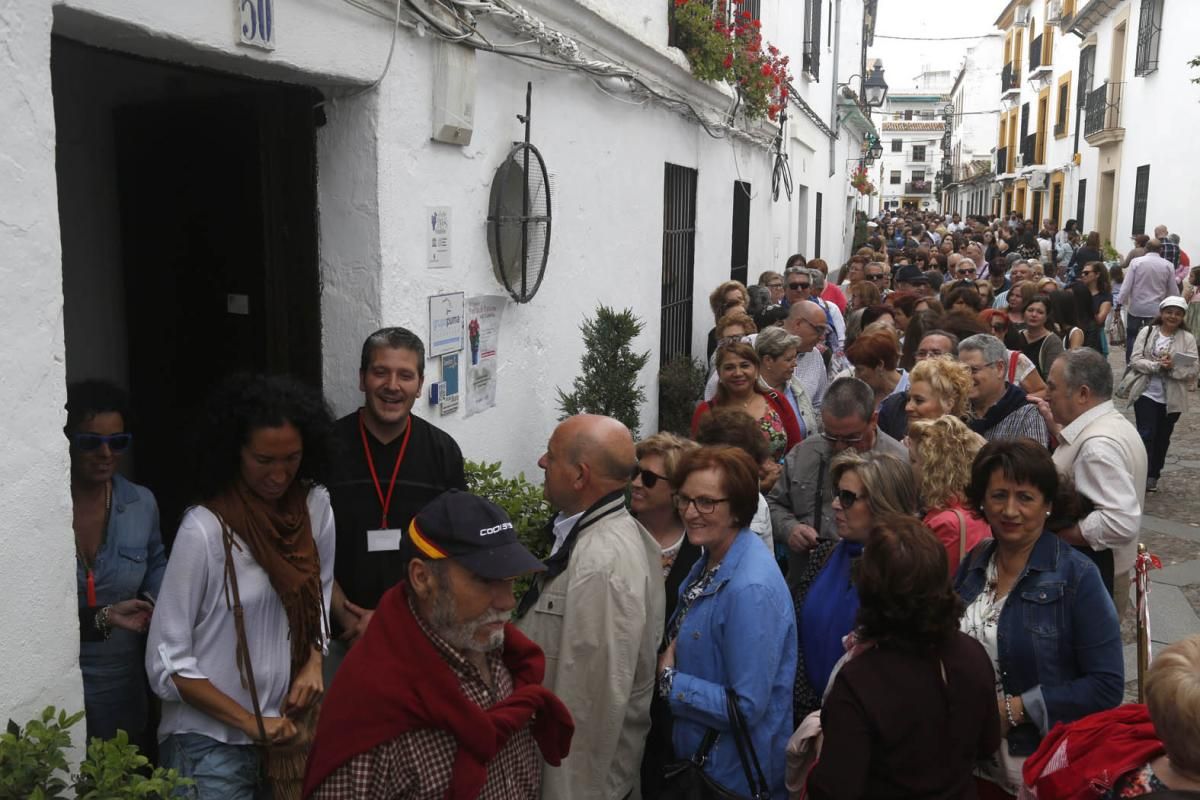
(212, 239)
(739, 249)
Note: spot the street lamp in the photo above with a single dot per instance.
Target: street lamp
(875, 88)
(877, 150)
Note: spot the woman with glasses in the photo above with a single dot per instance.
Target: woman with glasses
(651, 501)
(1038, 607)
(738, 388)
(732, 628)
(1094, 276)
(773, 282)
(866, 485)
(236, 643)
(119, 561)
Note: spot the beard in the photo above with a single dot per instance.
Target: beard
(443, 618)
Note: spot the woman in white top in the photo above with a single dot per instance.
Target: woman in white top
(1166, 352)
(262, 538)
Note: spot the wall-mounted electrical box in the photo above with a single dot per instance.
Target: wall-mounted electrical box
(453, 93)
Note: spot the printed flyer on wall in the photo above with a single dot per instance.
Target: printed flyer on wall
(484, 314)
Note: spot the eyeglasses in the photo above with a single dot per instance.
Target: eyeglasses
(798, 286)
(874, 277)
(843, 439)
(775, 285)
(704, 505)
(848, 498)
(965, 271)
(649, 479)
(87, 442)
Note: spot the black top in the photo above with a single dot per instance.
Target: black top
(894, 729)
(432, 464)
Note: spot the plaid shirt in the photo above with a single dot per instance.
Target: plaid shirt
(1170, 251)
(1024, 422)
(417, 765)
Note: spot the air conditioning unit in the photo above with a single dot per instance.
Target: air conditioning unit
(1054, 12)
(1037, 180)
(1023, 16)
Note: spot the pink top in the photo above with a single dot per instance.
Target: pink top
(944, 524)
(832, 294)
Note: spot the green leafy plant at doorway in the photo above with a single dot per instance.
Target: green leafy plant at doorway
(608, 383)
(522, 500)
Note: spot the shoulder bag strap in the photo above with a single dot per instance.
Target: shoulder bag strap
(700, 758)
(756, 780)
(1013, 359)
(962, 535)
(239, 624)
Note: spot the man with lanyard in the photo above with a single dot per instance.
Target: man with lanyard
(390, 464)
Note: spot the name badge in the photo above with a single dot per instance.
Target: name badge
(380, 541)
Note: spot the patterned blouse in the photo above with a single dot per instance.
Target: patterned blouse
(1135, 784)
(771, 425)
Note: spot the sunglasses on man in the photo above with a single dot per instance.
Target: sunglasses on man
(796, 287)
(89, 442)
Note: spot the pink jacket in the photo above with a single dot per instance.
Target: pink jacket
(944, 524)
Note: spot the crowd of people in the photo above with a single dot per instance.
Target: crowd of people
(889, 560)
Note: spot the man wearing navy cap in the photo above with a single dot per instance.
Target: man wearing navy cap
(442, 697)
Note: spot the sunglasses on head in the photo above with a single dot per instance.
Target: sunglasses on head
(87, 442)
(649, 479)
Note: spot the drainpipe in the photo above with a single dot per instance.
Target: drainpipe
(833, 95)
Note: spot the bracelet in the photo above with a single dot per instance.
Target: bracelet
(1012, 722)
(102, 622)
(666, 680)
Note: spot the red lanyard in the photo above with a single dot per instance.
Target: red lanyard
(384, 502)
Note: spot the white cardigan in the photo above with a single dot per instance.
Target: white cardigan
(192, 632)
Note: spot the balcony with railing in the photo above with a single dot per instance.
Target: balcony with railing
(1029, 150)
(1035, 54)
(918, 187)
(1001, 160)
(1102, 115)
(1010, 79)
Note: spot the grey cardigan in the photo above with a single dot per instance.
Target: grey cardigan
(1177, 379)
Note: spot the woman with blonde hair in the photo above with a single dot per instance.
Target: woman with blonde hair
(938, 386)
(723, 299)
(941, 451)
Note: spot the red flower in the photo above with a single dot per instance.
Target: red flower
(728, 62)
(766, 69)
(757, 24)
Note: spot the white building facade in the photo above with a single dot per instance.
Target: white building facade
(911, 128)
(179, 204)
(974, 109)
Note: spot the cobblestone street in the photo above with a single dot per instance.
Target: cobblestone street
(1171, 531)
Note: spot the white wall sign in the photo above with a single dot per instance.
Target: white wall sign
(437, 236)
(256, 23)
(483, 332)
(446, 319)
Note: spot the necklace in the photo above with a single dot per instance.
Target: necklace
(89, 566)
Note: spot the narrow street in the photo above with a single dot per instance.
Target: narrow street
(1171, 531)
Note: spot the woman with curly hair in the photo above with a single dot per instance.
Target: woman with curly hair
(938, 386)
(912, 708)
(941, 451)
(238, 634)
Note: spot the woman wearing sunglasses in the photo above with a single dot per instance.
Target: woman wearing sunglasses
(866, 485)
(120, 559)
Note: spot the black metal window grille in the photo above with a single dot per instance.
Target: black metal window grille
(1063, 116)
(919, 153)
(1087, 72)
(1141, 196)
(811, 56)
(679, 261)
(1103, 109)
(1056, 204)
(817, 227)
(739, 246)
(894, 177)
(1149, 37)
(1037, 209)
(897, 145)
(1001, 160)
(908, 114)
(1081, 206)
(1035, 53)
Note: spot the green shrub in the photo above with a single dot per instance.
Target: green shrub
(608, 383)
(680, 387)
(521, 500)
(33, 765)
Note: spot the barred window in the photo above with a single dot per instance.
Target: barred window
(1149, 35)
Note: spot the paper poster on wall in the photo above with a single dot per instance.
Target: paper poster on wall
(450, 396)
(446, 313)
(437, 236)
(484, 314)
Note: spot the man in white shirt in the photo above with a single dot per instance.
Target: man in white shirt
(1102, 452)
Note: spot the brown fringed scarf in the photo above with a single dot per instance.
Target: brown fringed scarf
(281, 541)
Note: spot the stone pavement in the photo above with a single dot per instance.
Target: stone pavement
(1171, 531)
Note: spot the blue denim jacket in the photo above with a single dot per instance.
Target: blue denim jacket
(740, 633)
(1059, 637)
(131, 560)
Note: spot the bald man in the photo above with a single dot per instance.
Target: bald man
(597, 610)
(808, 321)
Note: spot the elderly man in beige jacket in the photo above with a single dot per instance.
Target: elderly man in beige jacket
(597, 611)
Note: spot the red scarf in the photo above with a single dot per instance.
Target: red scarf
(1083, 759)
(394, 681)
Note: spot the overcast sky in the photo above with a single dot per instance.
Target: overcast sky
(903, 60)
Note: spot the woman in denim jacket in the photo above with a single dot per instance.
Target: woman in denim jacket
(1038, 607)
(733, 626)
(120, 557)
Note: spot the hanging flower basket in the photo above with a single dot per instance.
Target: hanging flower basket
(724, 43)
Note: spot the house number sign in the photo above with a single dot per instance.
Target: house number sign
(256, 23)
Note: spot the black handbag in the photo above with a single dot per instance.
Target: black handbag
(685, 779)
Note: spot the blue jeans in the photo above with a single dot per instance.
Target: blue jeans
(1132, 326)
(221, 771)
(115, 695)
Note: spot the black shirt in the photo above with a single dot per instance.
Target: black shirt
(433, 463)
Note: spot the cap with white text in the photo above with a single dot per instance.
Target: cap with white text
(474, 532)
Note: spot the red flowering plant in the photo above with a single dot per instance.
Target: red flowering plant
(861, 181)
(723, 42)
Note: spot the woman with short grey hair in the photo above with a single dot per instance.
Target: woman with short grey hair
(777, 352)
